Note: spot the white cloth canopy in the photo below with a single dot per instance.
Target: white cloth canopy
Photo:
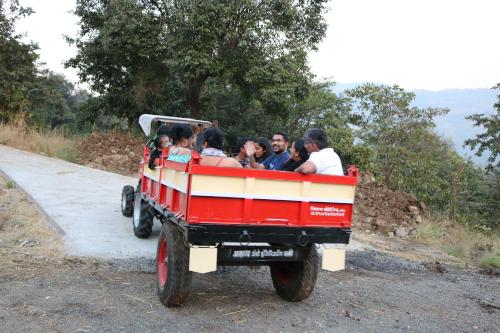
(145, 121)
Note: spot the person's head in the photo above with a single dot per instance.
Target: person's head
(162, 139)
(262, 148)
(182, 135)
(315, 140)
(280, 142)
(240, 145)
(298, 151)
(212, 138)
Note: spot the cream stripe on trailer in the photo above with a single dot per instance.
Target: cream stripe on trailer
(206, 185)
(152, 174)
(174, 186)
(268, 197)
(254, 188)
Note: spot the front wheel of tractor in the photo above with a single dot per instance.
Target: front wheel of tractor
(142, 220)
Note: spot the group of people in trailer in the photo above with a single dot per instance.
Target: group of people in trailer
(308, 155)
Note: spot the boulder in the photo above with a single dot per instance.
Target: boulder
(413, 209)
(402, 232)
(382, 226)
(368, 220)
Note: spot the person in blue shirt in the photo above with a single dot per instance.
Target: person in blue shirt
(182, 136)
(276, 159)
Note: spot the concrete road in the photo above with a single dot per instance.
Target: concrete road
(84, 203)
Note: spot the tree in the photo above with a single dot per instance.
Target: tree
(54, 101)
(489, 140)
(147, 53)
(121, 57)
(237, 113)
(389, 125)
(324, 109)
(17, 62)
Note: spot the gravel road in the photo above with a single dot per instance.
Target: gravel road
(88, 298)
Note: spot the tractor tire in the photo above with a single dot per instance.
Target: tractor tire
(142, 217)
(295, 280)
(173, 277)
(128, 201)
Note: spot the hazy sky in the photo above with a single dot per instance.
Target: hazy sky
(418, 44)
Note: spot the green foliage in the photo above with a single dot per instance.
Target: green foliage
(324, 109)
(456, 251)
(25, 89)
(389, 126)
(240, 115)
(491, 261)
(55, 102)
(17, 62)
(121, 57)
(10, 184)
(237, 114)
(156, 56)
(408, 156)
(489, 140)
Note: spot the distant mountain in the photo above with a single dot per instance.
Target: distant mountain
(461, 102)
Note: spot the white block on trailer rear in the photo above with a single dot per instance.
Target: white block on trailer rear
(333, 259)
(202, 259)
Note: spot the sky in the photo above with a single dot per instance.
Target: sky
(417, 44)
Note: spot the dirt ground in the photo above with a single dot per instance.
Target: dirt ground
(113, 151)
(83, 298)
(42, 290)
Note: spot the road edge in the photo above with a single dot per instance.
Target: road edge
(52, 223)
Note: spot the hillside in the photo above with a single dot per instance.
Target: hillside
(461, 102)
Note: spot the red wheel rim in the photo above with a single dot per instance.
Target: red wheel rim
(162, 262)
(284, 274)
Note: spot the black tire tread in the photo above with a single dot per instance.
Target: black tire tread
(178, 286)
(128, 211)
(145, 227)
(302, 284)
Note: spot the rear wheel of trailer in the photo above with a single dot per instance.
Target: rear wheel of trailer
(295, 280)
(172, 266)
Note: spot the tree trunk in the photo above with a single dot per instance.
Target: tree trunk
(193, 96)
(130, 123)
(453, 198)
(388, 172)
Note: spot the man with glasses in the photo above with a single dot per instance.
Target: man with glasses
(322, 160)
(277, 159)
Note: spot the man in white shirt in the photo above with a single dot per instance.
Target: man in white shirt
(322, 160)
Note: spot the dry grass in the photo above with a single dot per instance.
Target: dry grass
(50, 143)
(26, 238)
(460, 241)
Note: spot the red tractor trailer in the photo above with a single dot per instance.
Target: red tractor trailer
(213, 216)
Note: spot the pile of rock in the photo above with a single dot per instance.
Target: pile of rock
(377, 208)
